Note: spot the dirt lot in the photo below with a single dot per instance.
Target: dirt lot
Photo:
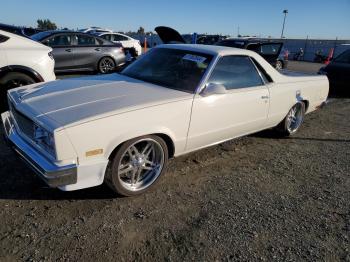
(255, 198)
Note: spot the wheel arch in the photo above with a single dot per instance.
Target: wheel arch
(169, 141)
(21, 69)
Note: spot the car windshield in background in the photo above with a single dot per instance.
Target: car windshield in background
(40, 36)
(231, 43)
(171, 68)
(343, 57)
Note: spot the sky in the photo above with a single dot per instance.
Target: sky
(313, 18)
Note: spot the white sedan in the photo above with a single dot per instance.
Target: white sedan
(22, 62)
(129, 44)
(123, 128)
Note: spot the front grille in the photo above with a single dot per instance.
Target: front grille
(25, 125)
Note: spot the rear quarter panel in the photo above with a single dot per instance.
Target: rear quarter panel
(289, 90)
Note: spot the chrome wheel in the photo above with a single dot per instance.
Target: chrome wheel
(140, 164)
(106, 65)
(294, 118)
(279, 65)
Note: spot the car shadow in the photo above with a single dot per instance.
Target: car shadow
(18, 182)
(272, 134)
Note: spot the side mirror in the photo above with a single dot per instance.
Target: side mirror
(213, 89)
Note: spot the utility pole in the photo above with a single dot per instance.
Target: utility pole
(285, 12)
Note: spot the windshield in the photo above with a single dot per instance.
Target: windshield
(171, 68)
(231, 43)
(40, 36)
(343, 57)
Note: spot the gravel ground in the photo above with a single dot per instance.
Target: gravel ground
(255, 198)
(306, 67)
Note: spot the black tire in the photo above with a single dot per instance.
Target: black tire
(285, 128)
(112, 176)
(12, 80)
(106, 65)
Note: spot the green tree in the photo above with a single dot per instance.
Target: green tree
(141, 31)
(46, 24)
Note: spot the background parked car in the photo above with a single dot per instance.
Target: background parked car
(75, 51)
(95, 30)
(22, 31)
(338, 72)
(129, 44)
(209, 39)
(269, 50)
(22, 62)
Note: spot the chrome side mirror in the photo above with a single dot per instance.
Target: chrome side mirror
(213, 89)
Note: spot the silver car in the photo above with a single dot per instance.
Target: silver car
(75, 51)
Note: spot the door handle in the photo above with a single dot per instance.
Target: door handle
(68, 50)
(265, 97)
(97, 49)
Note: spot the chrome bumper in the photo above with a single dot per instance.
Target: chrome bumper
(52, 174)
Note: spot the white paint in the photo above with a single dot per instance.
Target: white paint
(22, 51)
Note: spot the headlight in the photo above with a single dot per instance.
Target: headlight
(44, 138)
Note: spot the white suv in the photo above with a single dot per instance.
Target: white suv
(129, 44)
(22, 62)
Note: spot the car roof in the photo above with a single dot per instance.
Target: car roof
(110, 33)
(9, 26)
(209, 49)
(62, 31)
(24, 40)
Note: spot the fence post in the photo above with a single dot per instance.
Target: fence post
(307, 38)
(335, 45)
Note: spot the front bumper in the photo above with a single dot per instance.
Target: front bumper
(53, 175)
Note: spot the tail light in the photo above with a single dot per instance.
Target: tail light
(50, 55)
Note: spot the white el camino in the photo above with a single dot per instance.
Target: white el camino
(122, 128)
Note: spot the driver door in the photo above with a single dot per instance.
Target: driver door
(242, 110)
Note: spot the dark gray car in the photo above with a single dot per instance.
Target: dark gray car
(75, 51)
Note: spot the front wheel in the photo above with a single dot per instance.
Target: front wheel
(106, 65)
(137, 165)
(279, 65)
(292, 122)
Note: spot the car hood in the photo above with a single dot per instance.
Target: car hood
(69, 102)
(169, 35)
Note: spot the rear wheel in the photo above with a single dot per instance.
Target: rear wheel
(292, 122)
(137, 165)
(12, 80)
(106, 65)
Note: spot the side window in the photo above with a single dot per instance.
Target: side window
(58, 40)
(235, 72)
(85, 40)
(343, 58)
(270, 49)
(107, 37)
(267, 78)
(120, 38)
